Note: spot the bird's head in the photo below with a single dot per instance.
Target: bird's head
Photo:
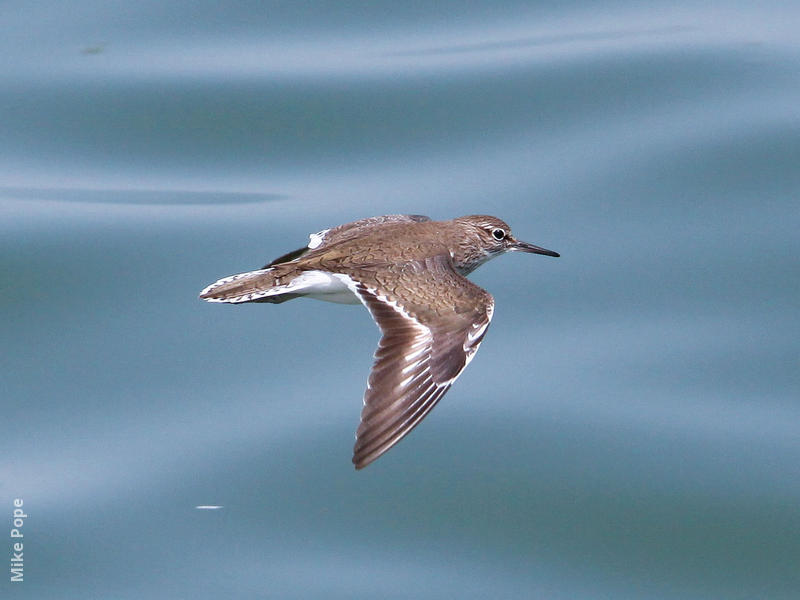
(485, 237)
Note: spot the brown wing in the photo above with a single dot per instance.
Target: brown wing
(343, 233)
(433, 321)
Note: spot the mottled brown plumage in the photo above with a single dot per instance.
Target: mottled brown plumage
(409, 273)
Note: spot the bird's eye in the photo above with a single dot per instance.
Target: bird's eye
(498, 234)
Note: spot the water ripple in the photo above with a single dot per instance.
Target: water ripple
(544, 40)
(136, 197)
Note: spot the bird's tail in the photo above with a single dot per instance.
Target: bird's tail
(263, 285)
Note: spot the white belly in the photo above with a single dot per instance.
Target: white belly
(319, 285)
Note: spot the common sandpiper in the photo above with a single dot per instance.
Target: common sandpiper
(410, 273)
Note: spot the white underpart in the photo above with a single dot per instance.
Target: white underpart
(319, 285)
(316, 239)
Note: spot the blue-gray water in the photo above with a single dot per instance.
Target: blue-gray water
(631, 426)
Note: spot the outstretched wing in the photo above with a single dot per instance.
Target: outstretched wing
(342, 233)
(433, 321)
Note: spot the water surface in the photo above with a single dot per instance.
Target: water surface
(630, 427)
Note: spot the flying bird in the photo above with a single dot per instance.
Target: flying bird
(410, 273)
